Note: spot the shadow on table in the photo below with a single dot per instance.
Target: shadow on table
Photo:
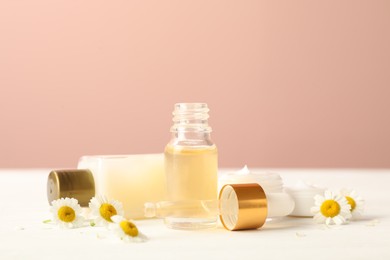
(296, 222)
(286, 223)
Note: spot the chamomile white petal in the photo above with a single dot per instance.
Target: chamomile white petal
(355, 201)
(103, 209)
(319, 218)
(126, 230)
(66, 213)
(318, 199)
(332, 208)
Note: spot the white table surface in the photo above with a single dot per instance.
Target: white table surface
(23, 235)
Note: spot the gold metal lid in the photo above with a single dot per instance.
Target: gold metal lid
(243, 206)
(78, 184)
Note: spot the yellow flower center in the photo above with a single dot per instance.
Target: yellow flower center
(107, 211)
(351, 202)
(66, 214)
(129, 228)
(330, 208)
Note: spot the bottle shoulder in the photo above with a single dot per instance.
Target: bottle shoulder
(191, 142)
(184, 149)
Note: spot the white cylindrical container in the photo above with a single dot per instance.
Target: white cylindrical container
(303, 195)
(270, 182)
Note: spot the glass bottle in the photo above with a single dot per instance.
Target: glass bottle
(191, 165)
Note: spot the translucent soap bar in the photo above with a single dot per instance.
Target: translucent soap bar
(130, 179)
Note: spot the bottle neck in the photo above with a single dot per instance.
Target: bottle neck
(190, 125)
(190, 118)
(191, 135)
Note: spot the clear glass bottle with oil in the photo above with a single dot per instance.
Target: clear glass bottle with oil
(191, 165)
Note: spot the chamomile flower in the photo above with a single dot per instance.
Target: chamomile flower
(355, 201)
(103, 209)
(331, 209)
(66, 213)
(126, 230)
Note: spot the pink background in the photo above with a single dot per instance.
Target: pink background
(289, 83)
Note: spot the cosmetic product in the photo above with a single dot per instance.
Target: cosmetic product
(130, 179)
(191, 164)
(240, 207)
(78, 184)
(303, 195)
(271, 182)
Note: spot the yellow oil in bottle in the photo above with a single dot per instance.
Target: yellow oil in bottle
(192, 174)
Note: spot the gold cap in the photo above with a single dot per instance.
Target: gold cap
(243, 206)
(78, 184)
